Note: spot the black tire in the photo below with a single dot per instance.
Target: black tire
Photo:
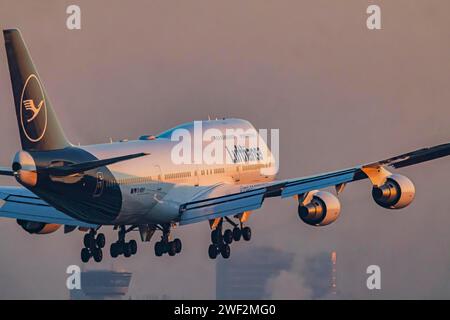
(237, 234)
(159, 249)
(101, 240)
(126, 249)
(85, 255)
(247, 233)
(212, 251)
(178, 245)
(119, 247)
(113, 250)
(97, 254)
(172, 248)
(228, 236)
(216, 236)
(133, 245)
(87, 240)
(225, 251)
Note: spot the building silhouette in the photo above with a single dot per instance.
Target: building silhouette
(245, 275)
(102, 284)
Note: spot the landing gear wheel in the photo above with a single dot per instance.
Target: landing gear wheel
(97, 254)
(212, 251)
(237, 234)
(215, 236)
(85, 255)
(228, 236)
(133, 246)
(101, 241)
(172, 249)
(114, 250)
(119, 248)
(126, 249)
(159, 249)
(247, 233)
(87, 240)
(178, 245)
(225, 251)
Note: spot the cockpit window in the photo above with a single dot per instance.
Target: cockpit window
(168, 133)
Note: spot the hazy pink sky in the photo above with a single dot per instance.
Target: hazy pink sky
(340, 94)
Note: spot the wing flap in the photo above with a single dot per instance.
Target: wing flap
(226, 205)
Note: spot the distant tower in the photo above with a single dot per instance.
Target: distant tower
(333, 273)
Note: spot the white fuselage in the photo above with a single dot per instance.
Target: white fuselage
(153, 187)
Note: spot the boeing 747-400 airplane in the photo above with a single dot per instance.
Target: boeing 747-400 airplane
(137, 185)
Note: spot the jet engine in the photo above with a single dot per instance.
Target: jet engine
(396, 193)
(34, 227)
(24, 169)
(323, 209)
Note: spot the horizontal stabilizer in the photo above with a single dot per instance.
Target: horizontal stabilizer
(62, 171)
(20, 203)
(6, 172)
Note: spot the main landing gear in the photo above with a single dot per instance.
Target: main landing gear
(220, 242)
(165, 245)
(93, 243)
(93, 246)
(119, 247)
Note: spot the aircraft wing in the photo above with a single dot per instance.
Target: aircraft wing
(415, 157)
(227, 200)
(20, 203)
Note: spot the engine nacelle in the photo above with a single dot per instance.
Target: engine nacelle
(24, 169)
(396, 193)
(323, 209)
(34, 227)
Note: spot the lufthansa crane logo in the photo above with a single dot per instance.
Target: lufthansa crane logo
(30, 106)
(33, 111)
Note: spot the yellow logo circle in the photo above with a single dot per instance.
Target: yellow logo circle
(33, 109)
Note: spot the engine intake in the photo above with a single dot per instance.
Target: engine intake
(396, 193)
(34, 227)
(323, 209)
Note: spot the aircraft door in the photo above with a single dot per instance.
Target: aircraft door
(156, 189)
